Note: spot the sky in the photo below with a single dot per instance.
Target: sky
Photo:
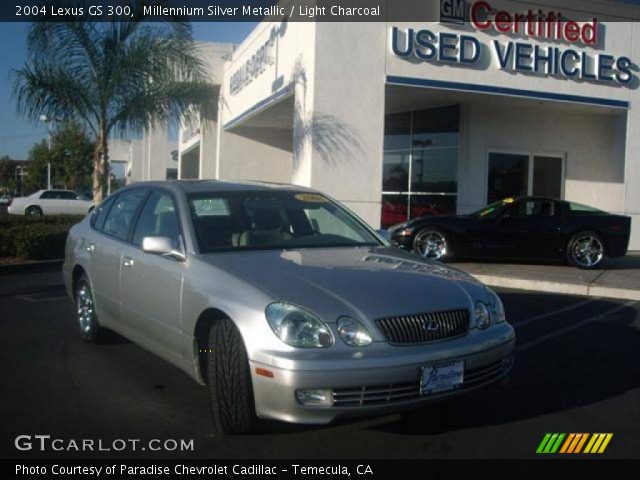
(17, 136)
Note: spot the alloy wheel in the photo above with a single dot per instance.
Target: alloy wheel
(431, 244)
(85, 309)
(587, 250)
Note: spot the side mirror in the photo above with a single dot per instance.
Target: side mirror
(162, 246)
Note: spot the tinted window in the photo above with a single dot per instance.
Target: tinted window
(69, 195)
(49, 195)
(158, 218)
(100, 214)
(532, 208)
(120, 216)
(578, 207)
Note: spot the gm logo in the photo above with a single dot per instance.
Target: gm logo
(452, 11)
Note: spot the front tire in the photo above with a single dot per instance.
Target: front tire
(431, 243)
(586, 250)
(90, 330)
(229, 380)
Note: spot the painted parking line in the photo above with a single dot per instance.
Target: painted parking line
(554, 312)
(41, 297)
(575, 326)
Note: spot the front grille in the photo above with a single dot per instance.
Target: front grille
(405, 392)
(425, 327)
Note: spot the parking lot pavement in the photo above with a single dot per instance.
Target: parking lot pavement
(577, 370)
(618, 278)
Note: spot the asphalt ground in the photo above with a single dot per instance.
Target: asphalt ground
(577, 370)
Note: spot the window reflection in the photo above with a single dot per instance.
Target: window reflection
(420, 166)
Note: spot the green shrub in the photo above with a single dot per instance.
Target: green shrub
(39, 238)
(40, 242)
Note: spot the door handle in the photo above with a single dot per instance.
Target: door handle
(127, 262)
(90, 248)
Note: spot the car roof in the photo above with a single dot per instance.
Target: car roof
(201, 186)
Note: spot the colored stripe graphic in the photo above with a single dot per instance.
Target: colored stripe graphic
(573, 443)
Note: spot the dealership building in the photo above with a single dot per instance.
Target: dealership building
(400, 119)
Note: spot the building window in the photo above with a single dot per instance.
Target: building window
(521, 174)
(420, 165)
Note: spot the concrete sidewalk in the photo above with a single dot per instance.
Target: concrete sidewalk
(619, 278)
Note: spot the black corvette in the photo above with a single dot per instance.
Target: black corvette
(523, 228)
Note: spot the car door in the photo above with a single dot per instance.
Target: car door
(151, 284)
(113, 222)
(50, 202)
(530, 229)
(72, 204)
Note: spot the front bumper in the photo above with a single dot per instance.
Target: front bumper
(359, 389)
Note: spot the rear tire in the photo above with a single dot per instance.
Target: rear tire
(88, 326)
(33, 211)
(432, 243)
(586, 250)
(229, 380)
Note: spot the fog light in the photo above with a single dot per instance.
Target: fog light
(315, 397)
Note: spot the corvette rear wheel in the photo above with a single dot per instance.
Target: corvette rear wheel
(586, 250)
(431, 243)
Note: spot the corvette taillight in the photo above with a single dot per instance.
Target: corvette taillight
(616, 228)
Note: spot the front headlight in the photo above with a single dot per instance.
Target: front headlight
(353, 332)
(298, 327)
(496, 307)
(482, 316)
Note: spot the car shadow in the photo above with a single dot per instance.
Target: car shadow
(581, 367)
(628, 262)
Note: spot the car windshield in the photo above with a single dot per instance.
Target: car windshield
(492, 209)
(253, 220)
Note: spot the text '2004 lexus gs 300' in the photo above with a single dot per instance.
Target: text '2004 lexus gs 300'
(284, 303)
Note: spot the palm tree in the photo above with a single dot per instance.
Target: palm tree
(119, 77)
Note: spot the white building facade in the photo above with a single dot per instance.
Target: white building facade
(403, 119)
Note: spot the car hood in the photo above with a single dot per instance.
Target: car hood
(368, 283)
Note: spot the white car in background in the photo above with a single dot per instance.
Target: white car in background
(51, 202)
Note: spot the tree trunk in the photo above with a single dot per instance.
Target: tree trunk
(100, 168)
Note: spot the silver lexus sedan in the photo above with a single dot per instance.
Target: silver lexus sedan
(280, 300)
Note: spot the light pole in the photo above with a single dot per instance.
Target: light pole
(49, 122)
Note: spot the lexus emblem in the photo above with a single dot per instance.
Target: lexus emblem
(431, 326)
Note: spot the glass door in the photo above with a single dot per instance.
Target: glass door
(547, 176)
(508, 175)
(521, 174)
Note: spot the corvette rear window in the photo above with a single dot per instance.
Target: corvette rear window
(578, 207)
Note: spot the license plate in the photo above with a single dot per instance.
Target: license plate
(442, 378)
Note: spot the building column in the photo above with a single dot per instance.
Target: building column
(339, 116)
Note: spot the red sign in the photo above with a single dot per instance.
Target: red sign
(551, 25)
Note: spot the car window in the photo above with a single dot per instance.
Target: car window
(69, 195)
(49, 195)
(532, 208)
(100, 214)
(120, 216)
(578, 207)
(273, 220)
(158, 218)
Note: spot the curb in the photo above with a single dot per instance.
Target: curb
(558, 287)
(31, 267)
